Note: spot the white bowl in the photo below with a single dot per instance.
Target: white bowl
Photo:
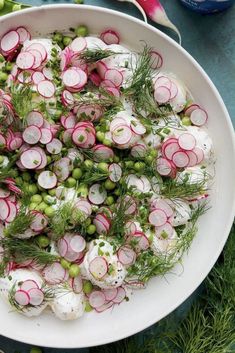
(162, 295)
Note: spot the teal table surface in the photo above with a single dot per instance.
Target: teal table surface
(211, 41)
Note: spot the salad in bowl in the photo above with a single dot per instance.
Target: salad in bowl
(105, 169)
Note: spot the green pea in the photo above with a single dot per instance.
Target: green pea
(65, 264)
(67, 40)
(1, 57)
(18, 180)
(49, 200)
(3, 76)
(153, 152)
(1, 159)
(36, 198)
(48, 159)
(87, 287)
(81, 31)
(57, 114)
(149, 159)
(116, 159)
(91, 229)
(88, 307)
(100, 136)
(139, 166)
(42, 206)
(43, 241)
(44, 194)
(74, 270)
(103, 167)
(82, 190)
(35, 350)
(52, 192)
(33, 206)
(107, 142)
(57, 37)
(16, 7)
(32, 189)
(109, 185)
(117, 192)
(9, 66)
(88, 163)
(109, 200)
(26, 176)
(186, 121)
(77, 173)
(70, 182)
(88, 222)
(49, 211)
(129, 164)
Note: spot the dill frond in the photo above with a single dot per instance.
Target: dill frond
(22, 100)
(93, 175)
(21, 250)
(93, 55)
(20, 224)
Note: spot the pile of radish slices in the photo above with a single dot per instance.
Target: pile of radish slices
(70, 136)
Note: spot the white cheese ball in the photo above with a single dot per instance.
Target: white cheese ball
(68, 305)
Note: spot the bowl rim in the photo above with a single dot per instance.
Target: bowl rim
(213, 258)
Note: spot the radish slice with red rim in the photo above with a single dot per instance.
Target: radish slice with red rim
(104, 307)
(98, 267)
(32, 134)
(114, 76)
(54, 274)
(4, 209)
(40, 47)
(121, 295)
(162, 205)
(46, 136)
(180, 159)
(156, 60)
(137, 127)
(199, 153)
(157, 218)
(115, 172)
(4, 193)
(77, 284)
(22, 297)
(36, 296)
(31, 159)
(121, 135)
(165, 231)
(37, 77)
(126, 255)
(97, 194)
(193, 159)
(102, 153)
(199, 117)
(162, 94)
(55, 146)
(110, 294)
(10, 41)
(29, 284)
(96, 299)
(25, 60)
(38, 58)
(162, 81)
(35, 118)
(12, 211)
(23, 34)
(188, 111)
(164, 167)
(62, 246)
(46, 88)
(47, 179)
(78, 44)
(170, 149)
(77, 243)
(138, 150)
(187, 141)
(39, 222)
(110, 37)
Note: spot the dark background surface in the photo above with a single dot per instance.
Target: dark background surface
(211, 41)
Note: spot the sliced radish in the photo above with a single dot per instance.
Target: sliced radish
(70, 122)
(188, 111)
(46, 136)
(130, 205)
(47, 179)
(10, 41)
(37, 77)
(35, 118)
(71, 77)
(22, 297)
(121, 295)
(4, 209)
(12, 211)
(55, 146)
(96, 299)
(77, 243)
(78, 44)
(101, 68)
(104, 307)
(25, 76)
(199, 153)
(23, 33)
(62, 246)
(142, 242)
(102, 153)
(130, 227)
(110, 37)
(199, 117)
(187, 141)
(62, 168)
(47, 72)
(40, 47)
(162, 81)
(110, 294)
(46, 89)
(114, 76)
(164, 167)
(162, 205)
(4, 193)
(97, 194)
(29, 284)
(156, 60)
(67, 98)
(25, 60)
(98, 267)
(193, 159)
(121, 135)
(137, 127)
(138, 150)
(170, 149)
(39, 222)
(31, 159)
(126, 255)
(180, 159)
(157, 218)
(54, 274)
(165, 231)
(162, 94)
(76, 284)
(32, 134)
(115, 172)
(38, 58)
(36, 296)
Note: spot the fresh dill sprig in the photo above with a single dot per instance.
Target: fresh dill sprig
(93, 55)
(183, 188)
(93, 175)
(65, 218)
(20, 250)
(20, 224)
(22, 100)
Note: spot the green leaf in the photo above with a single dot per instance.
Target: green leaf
(8, 7)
